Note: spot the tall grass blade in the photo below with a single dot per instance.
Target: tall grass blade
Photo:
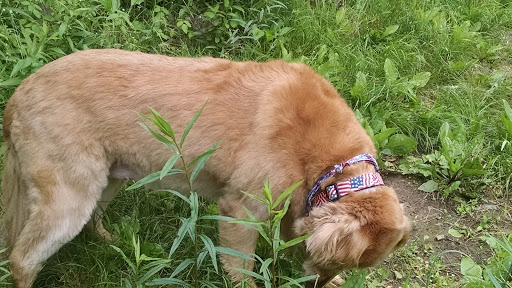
(286, 193)
(181, 267)
(169, 165)
(152, 272)
(162, 124)
(201, 161)
(181, 234)
(190, 124)
(233, 252)
(208, 244)
(293, 242)
(158, 136)
(152, 178)
(168, 281)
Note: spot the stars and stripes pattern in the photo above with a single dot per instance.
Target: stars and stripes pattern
(336, 191)
(340, 189)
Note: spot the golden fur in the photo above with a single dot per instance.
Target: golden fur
(72, 139)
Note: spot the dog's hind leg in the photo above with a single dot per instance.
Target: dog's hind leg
(95, 225)
(238, 237)
(59, 208)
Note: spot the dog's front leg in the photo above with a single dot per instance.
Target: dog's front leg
(238, 237)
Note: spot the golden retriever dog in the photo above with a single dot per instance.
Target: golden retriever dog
(73, 138)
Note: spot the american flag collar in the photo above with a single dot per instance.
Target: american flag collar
(337, 190)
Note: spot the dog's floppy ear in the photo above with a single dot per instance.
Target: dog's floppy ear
(333, 239)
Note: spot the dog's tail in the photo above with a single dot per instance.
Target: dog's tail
(14, 197)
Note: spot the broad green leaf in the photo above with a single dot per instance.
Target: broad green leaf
(340, 14)
(473, 167)
(507, 117)
(390, 71)
(286, 193)
(208, 244)
(454, 186)
(135, 2)
(169, 165)
(455, 233)
(389, 30)
(444, 132)
(257, 33)
(22, 64)
(115, 5)
(190, 124)
(400, 144)
(429, 186)
(469, 268)
(10, 82)
(383, 136)
(508, 109)
(356, 280)
(360, 85)
(507, 123)
(420, 80)
(62, 28)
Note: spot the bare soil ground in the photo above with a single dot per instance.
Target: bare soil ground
(433, 217)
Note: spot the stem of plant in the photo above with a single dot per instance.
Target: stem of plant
(187, 174)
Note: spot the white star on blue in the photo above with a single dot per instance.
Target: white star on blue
(356, 182)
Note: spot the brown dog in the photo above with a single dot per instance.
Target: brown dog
(72, 139)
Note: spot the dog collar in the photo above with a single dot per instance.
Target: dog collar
(337, 190)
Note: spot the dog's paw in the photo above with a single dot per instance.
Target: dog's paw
(335, 282)
(99, 232)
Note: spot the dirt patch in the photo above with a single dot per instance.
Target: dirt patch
(446, 228)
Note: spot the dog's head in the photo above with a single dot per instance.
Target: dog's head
(359, 230)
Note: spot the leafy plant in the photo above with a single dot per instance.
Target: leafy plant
(228, 24)
(457, 158)
(202, 244)
(498, 271)
(5, 273)
(506, 119)
(270, 232)
(404, 85)
(191, 169)
(387, 141)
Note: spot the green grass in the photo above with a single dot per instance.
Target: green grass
(448, 65)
